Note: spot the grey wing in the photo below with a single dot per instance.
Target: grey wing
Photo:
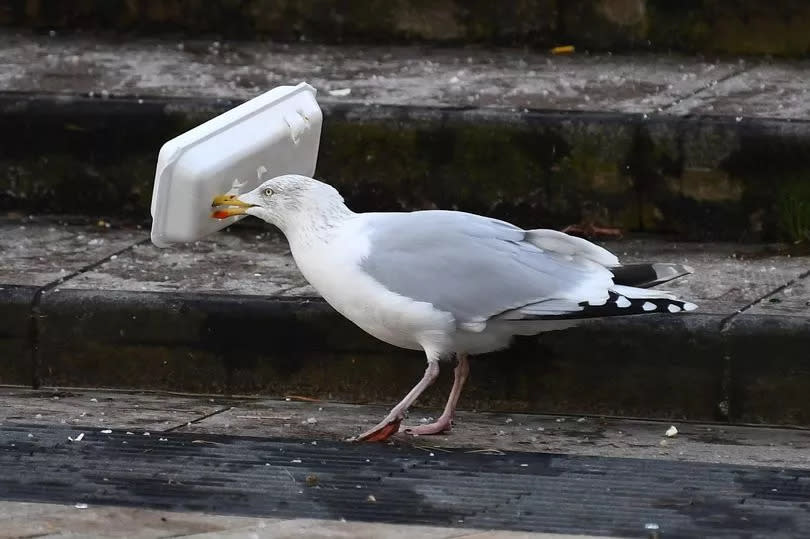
(478, 268)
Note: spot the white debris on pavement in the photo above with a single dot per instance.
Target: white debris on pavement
(671, 431)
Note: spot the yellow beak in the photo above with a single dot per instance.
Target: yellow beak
(228, 200)
(234, 206)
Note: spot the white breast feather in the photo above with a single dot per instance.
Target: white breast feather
(334, 270)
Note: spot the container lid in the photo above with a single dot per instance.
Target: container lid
(275, 133)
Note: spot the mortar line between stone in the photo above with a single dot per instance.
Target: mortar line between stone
(197, 420)
(35, 312)
(734, 73)
(726, 322)
(286, 289)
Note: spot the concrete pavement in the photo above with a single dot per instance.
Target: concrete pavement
(52, 521)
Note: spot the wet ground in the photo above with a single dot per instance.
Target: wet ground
(282, 460)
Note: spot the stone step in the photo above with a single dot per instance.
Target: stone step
(305, 418)
(699, 149)
(96, 306)
(725, 26)
(251, 457)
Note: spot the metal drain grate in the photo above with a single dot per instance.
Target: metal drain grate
(291, 478)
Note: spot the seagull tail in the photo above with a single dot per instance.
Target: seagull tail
(648, 275)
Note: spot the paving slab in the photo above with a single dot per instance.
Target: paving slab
(314, 421)
(434, 77)
(251, 263)
(103, 410)
(37, 255)
(49, 520)
(790, 299)
(21, 519)
(773, 90)
(407, 76)
(494, 432)
(255, 260)
(314, 528)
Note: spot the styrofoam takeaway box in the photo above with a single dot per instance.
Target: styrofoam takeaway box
(275, 133)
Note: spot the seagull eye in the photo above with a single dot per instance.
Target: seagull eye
(268, 192)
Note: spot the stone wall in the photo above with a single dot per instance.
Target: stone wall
(780, 27)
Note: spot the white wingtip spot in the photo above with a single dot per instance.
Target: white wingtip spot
(689, 306)
(690, 269)
(622, 302)
(673, 308)
(648, 306)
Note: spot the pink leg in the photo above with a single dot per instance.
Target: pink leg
(445, 421)
(390, 425)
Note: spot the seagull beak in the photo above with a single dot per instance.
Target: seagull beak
(234, 206)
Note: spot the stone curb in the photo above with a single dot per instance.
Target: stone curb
(672, 367)
(696, 177)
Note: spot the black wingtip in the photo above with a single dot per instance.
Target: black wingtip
(619, 305)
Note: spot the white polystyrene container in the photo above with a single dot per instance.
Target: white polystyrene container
(273, 134)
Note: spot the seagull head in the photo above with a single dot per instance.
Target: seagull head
(279, 200)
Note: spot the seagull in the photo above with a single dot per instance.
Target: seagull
(448, 283)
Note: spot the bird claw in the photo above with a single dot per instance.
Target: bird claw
(381, 432)
(438, 427)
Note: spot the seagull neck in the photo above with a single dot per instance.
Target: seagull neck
(316, 225)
